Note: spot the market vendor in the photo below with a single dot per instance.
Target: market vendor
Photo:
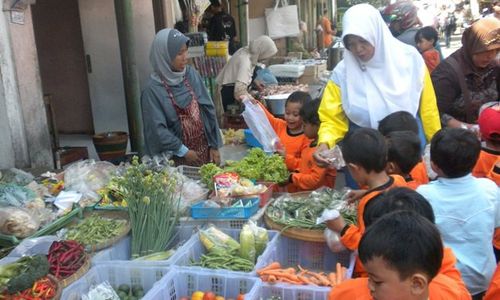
(178, 113)
(379, 75)
(459, 101)
(236, 77)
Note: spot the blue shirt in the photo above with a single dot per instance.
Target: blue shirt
(466, 211)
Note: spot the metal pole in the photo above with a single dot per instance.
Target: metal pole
(242, 18)
(124, 21)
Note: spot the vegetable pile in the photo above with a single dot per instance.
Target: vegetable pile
(126, 292)
(95, 230)
(209, 295)
(302, 211)
(226, 253)
(257, 165)
(22, 274)
(275, 273)
(65, 258)
(42, 289)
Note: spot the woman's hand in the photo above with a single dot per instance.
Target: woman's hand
(215, 156)
(252, 99)
(321, 161)
(192, 158)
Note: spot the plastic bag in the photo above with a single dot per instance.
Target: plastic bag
(15, 195)
(34, 246)
(103, 291)
(261, 237)
(333, 241)
(247, 243)
(16, 176)
(427, 160)
(258, 123)
(18, 222)
(217, 241)
(334, 157)
(88, 176)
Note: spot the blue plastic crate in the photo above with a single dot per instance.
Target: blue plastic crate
(250, 139)
(245, 212)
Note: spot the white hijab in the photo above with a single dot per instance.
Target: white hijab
(391, 81)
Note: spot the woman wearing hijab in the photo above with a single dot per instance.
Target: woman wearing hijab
(237, 74)
(178, 113)
(470, 76)
(379, 75)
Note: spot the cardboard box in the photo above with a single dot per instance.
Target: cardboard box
(310, 70)
(308, 79)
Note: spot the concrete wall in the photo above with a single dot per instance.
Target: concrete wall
(100, 39)
(30, 92)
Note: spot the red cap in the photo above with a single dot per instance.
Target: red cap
(489, 123)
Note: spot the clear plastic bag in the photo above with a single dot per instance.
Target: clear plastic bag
(333, 241)
(34, 246)
(427, 160)
(261, 237)
(247, 243)
(103, 291)
(215, 240)
(258, 123)
(88, 176)
(334, 157)
(18, 222)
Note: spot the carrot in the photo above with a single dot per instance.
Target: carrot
(314, 280)
(272, 266)
(339, 273)
(289, 271)
(322, 279)
(272, 278)
(264, 277)
(333, 279)
(291, 281)
(279, 274)
(305, 279)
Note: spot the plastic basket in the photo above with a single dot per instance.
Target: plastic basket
(10, 240)
(115, 275)
(293, 292)
(230, 224)
(251, 140)
(120, 252)
(313, 256)
(249, 208)
(194, 249)
(184, 282)
(190, 172)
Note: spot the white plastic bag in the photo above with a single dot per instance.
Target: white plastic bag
(258, 123)
(282, 21)
(334, 157)
(34, 246)
(333, 241)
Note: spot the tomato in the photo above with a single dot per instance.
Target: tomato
(240, 297)
(209, 296)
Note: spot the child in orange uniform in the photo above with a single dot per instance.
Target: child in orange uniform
(489, 127)
(365, 154)
(403, 254)
(404, 121)
(426, 39)
(403, 155)
(307, 174)
(291, 130)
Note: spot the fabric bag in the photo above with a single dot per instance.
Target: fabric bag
(282, 21)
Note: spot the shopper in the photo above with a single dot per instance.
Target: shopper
(470, 76)
(450, 25)
(378, 76)
(466, 207)
(236, 76)
(178, 113)
(328, 31)
(426, 39)
(402, 17)
(222, 27)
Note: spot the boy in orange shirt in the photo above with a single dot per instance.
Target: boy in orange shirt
(291, 129)
(489, 127)
(403, 254)
(403, 155)
(307, 174)
(426, 39)
(404, 121)
(365, 154)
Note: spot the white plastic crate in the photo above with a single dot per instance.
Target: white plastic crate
(183, 282)
(120, 252)
(115, 275)
(194, 249)
(230, 224)
(293, 292)
(309, 255)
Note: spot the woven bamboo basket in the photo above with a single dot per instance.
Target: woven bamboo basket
(77, 275)
(296, 233)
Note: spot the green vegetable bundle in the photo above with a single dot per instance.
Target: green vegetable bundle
(302, 211)
(256, 165)
(153, 207)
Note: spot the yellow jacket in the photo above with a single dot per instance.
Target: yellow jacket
(335, 124)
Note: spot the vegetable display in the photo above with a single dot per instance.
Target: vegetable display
(257, 165)
(42, 289)
(95, 230)
(65, 258)
(274, 273)
(302, 211)
(153, 207)
(22, 274)
(127, 292)
(209, 295)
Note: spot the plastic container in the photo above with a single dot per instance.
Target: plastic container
(184, 282)
(115, 275)
(10, 240)
(309, 255)
(249, 208)
(194, 249)
(293, 292)
(120, 252)
(251, 140)
(276, 103)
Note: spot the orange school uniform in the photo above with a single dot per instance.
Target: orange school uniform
(293, 143)
(493, 292)
(351, 235)
(419, 174)
(309, 175)
(448, 284)
(487, 159)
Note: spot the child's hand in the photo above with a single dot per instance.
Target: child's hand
(281, 151)
(320, 160)
(354, 196)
